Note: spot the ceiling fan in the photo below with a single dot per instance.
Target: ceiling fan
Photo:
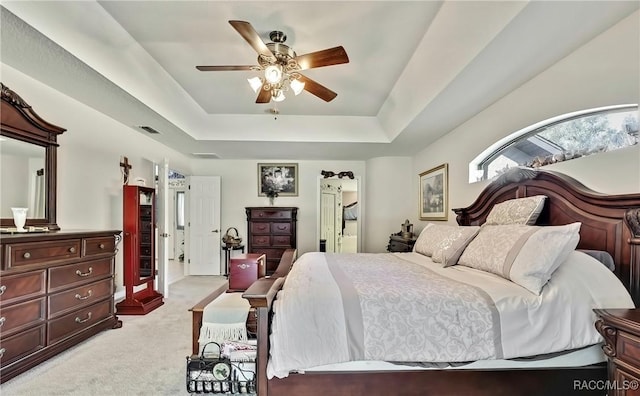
(281, 66)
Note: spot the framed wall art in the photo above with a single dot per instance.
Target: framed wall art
(434, 193)
(279, 178)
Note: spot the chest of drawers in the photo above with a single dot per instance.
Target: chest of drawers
(620, 329)
(246, 269)
(56, 290)
(271, 230)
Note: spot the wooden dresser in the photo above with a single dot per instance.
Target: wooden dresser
(271, 230)
(56, 290)
(621, 331)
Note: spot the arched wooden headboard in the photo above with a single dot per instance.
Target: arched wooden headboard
(609, 222)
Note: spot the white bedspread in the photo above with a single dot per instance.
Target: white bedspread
(419, 316)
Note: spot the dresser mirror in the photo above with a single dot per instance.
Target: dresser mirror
(27, 163)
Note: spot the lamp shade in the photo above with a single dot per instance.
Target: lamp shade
(255, 83)
(297, 86)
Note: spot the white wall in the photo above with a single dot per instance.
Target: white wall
(89, 175)
(603, 72)
(389, 201)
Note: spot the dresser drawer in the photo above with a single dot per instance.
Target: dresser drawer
(21, 345)
(21, 316)
(77, 274)
(628, 349)
(21, 254)
(269, 214)
(261, 240)
(281, 228)
(75, 322)
(22, 286)
(78, 297)
(281, 240)
(98, 246)
(260, 228)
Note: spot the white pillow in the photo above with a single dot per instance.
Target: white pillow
(444, 243)
(517, 211)
(526, 255)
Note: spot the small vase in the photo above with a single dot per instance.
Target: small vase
(19, 217)
(271, 200)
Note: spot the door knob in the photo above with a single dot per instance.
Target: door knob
(215, 231)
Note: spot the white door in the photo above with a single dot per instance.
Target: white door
(331, 215)
(203, 225)
(162, 222)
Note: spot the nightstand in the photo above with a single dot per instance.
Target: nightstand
(621, 331)
(400, 244)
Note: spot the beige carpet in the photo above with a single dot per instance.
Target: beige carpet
(147, 356)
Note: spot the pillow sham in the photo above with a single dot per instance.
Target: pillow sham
(444, 243)
(517, 211)
(526, 255)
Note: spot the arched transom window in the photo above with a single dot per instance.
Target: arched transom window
(558, 139)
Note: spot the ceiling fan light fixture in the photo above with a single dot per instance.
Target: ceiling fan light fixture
(277, 95)
(255, 83)
(273, 73)
(297, 86)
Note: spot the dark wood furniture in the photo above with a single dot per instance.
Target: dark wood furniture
(286, 261)
(400, 244)
(20, 122)
(621, 331)
(139, 251)
(271, 230)
(228, 250)
(609, 222)
(56, 290)
(246, 269)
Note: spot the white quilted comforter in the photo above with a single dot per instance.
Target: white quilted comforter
(401, 307)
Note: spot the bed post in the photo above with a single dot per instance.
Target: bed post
(632, 219)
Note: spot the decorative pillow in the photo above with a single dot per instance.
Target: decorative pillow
(444, 243)
(526, 255)
(517, 211)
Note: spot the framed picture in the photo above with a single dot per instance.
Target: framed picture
(281, 178)
(434, 193)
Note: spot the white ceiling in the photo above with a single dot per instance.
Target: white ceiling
(417, 68)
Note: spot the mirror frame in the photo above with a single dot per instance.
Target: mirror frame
(20, 122)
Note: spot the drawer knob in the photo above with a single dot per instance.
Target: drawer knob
(2, 320)
(2, 351)
(80, 273)
(101, 246)
(88, 318)
(79, 297)
(243, 266)
(26, 255)
(2, 289)
(72, 249)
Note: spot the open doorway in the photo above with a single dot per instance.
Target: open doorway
(339, 220)
(177, 216)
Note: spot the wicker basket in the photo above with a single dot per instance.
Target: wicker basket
(232, 239)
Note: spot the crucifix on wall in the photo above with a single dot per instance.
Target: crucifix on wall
(125, 169)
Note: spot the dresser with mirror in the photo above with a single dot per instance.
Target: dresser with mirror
(56, 285)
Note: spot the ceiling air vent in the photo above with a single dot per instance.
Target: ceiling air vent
(207, 155)
(148, 129)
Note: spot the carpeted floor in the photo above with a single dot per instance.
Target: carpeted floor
(147, 356)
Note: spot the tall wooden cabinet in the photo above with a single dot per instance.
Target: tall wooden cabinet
(139, 251)
(271, 230)
(56, 290)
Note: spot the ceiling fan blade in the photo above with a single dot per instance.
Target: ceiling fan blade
(328, 57)
(249, 33)
(317, 89)
(264, 96)
(223, 68)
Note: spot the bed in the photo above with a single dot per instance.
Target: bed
(608, 223)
